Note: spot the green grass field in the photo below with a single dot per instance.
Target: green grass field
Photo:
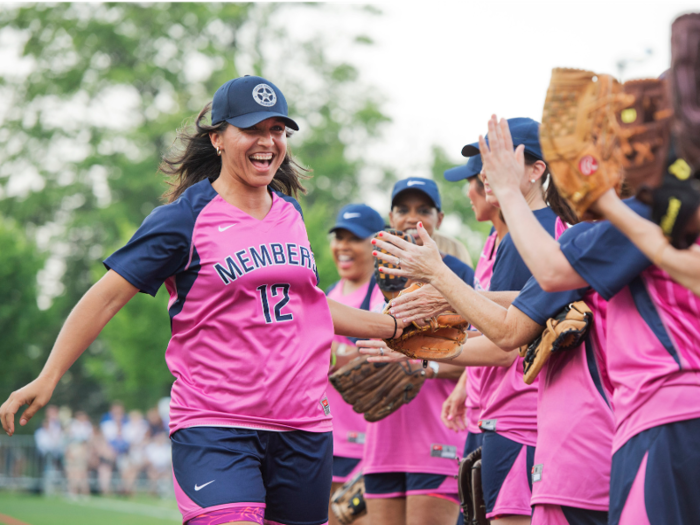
(38, 510)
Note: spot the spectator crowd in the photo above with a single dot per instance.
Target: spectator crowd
(123, 453)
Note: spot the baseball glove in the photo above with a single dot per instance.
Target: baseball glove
(390, 285)
(675, 202)
(442, 338)
(563, 332)
(685, 86)
(577, 135)
(644, 129)
(348, 502)
(471, 494)
(378, 389)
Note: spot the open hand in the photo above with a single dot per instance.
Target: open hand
(36, 394)
(420, 263)
(453, 409)
(424, 303)
(379, 352)
(504, 167)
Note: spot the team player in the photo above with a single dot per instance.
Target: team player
(462, 406)
(352, 254)
(410, 457)
(653, 363)
(508, 418)
(250, 421)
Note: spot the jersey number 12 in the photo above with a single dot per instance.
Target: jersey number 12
(275, 289)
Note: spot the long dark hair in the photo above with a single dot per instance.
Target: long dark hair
(193, 159)
(551, 196)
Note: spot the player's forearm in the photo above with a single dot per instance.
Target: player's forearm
(353, 322)
(480, 351)
(85, 323)
(504, 299)
(449, 370)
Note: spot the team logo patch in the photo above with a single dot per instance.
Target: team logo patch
(356, 437)
(488, 424)
(680, 170)
(537, 472)
(443, 451)
(264, 95)
(325, 405)
(588, 165)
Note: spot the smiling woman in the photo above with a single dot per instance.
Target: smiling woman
(250, 421)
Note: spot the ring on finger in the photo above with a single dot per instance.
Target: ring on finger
(381, 351)
(398, 262)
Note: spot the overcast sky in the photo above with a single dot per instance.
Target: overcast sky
(445, 67)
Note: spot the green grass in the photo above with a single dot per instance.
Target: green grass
(38, 510)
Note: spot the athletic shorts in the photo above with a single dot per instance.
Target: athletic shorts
(403, 484)
(505, 476)
(561, 515)
(655, 477)
(345, 469)
(474, 441)
(238, 474)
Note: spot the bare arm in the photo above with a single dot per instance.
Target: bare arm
(540, 252)
(353, 322)
(81, 328)
(682, 265)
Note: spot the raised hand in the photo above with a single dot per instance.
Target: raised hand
(504, 168)
(420, 263)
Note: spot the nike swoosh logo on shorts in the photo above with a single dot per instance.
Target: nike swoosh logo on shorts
(225, 227)
(197, 488)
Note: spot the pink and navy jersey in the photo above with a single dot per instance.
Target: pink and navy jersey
(482, 280)
(251, 331)
(414, 439)
(508, 405)
(349, 426)
(575, 423)
(653, 330)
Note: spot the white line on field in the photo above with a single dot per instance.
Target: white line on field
(129, 507)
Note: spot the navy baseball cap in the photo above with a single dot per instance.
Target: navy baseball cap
(471, 169)
(244, 102)
(523, 130)
(358, 219)
(426, 186)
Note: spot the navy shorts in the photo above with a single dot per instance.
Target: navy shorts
(474, 441)
(343, 467)
(655, 476)
(403, 484)
(239, 474)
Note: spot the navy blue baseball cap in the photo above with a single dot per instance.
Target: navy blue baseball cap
(244, 102)
(471, 169)
(426, 186)
(358, 219)
(523, 130)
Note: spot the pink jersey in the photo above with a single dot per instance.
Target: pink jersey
(482, 280)
(413, 439)
(509, 406)
(251, 331)
(653, 330)
(348, 425)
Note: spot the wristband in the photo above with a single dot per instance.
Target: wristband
(396, 326)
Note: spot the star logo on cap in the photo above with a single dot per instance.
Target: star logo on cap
(264, 95)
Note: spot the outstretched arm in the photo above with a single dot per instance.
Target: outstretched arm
(682, 265)
(81, 328)
(540, 252)
(353, 322)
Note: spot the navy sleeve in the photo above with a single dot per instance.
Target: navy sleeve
(605, 258)
(461, 269)
(539, 305)
(159, 248)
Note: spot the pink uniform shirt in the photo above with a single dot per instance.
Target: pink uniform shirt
(251, 331)
(575, 424)
(482, 280)
(349, 426)
(508, 405)
(653, 330)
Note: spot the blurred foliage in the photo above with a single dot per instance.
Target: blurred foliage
(92, 106)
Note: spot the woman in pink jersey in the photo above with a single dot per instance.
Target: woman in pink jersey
(410, 457)
(652, 358)
(352, 254)
(462, 406)
(508, 405)
(250, 421)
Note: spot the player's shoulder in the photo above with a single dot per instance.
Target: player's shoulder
(185, 209)
(288, 199)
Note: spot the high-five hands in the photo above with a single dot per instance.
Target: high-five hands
(504, 167)
(420, 263)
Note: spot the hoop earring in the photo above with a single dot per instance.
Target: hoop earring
(218, 152)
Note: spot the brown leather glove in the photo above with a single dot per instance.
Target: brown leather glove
(348, 502)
